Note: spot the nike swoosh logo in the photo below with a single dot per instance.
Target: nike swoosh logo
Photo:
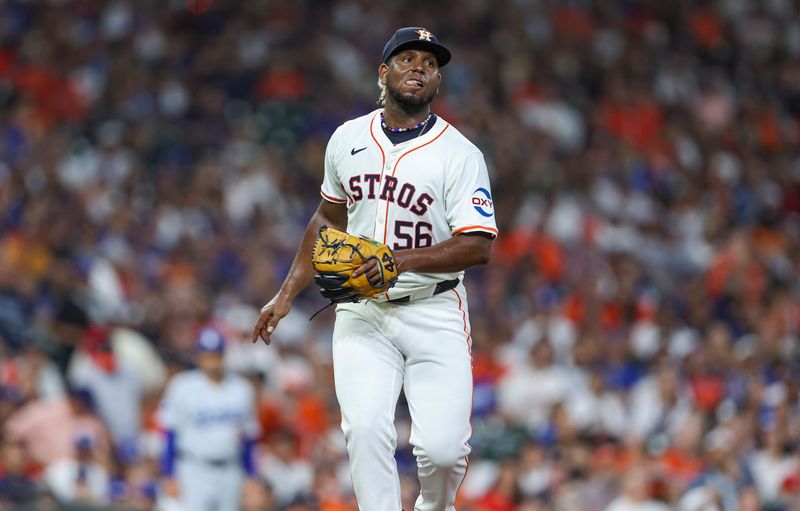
(354, 151)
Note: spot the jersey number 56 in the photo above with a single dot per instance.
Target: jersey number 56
(412, 235)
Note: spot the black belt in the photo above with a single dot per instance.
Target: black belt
(441, 287)
(216, 463)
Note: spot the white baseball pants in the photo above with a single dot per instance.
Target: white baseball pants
(422, 347)
(205, 487)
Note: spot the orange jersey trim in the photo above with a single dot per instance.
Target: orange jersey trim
(383, 162)
(372, 134)
(386, 215)
(464, 316)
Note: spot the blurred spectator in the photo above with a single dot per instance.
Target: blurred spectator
(503, 495)
(289, 476)
(634, 496)
(658, 405)
(772, 465)
(49, 428)
(69, 324)
(18, 485)
(80, 479)
(258, 498)
(117, 389)
(136, 487)
(529, 391)
(30, 375)
(596, 410)
(724, 477)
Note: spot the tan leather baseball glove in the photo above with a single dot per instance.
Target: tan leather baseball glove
(335, 257)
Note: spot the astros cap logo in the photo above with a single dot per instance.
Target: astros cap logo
(424, 34)
(414, 37)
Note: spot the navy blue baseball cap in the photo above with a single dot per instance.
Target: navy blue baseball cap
(210, 340)
(418, 38)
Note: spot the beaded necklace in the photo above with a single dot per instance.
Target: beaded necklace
(403, 130)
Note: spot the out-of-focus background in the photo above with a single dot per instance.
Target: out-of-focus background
(635, 335)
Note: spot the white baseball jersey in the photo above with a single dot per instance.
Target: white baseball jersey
(411, 195)
(210, 419)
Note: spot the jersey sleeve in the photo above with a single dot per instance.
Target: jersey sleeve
(332, 189)
(468, 197)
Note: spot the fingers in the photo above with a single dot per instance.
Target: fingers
(363, 268)
(373, 272)
(271, 324)
(374, 276)
(262, 328)
(270, 315)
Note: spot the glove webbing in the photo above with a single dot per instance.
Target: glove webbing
(340, 244)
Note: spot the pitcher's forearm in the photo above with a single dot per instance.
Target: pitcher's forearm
(301, 273)
(455, 254)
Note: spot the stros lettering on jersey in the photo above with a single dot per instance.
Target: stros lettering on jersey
(411, 195)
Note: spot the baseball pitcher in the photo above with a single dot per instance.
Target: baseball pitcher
(406, 208)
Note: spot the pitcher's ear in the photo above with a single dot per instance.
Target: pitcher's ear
(383, 70)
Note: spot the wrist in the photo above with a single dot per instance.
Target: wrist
(283, 294)
(294, 283)
(286, 293)
(403, 261)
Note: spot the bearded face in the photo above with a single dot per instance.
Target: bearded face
(412, 79)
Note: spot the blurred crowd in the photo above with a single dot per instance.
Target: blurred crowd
(635, 335)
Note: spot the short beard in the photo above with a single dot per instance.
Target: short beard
(410, 104)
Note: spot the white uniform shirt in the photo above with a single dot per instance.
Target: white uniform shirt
(411, 195)
(209, 419)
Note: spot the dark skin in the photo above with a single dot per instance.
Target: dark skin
(412, 79)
